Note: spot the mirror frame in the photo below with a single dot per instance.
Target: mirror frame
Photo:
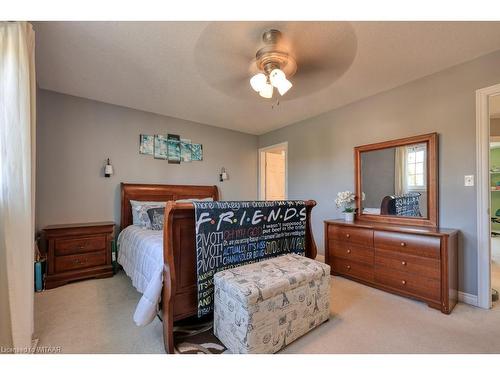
(432, 181)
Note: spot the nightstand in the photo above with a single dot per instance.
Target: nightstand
(78, 251)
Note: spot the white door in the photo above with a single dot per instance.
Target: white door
(272, 173)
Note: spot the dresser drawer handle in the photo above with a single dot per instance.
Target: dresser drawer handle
(403, 263)
(79, 261)
(348, 251)
(403, 282)
(403, 244)
(348, 267)
(348, 235)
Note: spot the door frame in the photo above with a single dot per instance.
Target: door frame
(261, 169)
(483, 194)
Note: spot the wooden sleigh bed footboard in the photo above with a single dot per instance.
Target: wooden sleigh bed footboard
(179, 295)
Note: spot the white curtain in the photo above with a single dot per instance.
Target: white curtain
(17, 182)
(400, 180)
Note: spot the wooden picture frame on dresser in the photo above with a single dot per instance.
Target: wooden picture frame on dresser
(78, 251)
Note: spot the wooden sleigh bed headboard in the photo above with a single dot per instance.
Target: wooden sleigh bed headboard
(159, 193)
(179, 294)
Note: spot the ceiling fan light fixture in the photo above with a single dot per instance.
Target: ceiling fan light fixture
(258, 82)
(284, 86)
(276, 77)
(274, 65)
(267, 91)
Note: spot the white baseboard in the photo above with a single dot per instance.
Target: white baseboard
(470, 299)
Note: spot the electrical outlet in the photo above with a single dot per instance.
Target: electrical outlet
(469, 180)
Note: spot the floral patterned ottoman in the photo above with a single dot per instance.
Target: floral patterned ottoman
(262, 307)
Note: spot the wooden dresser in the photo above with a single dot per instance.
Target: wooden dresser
(415, 262)
(78, 251)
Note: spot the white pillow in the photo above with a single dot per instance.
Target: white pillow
(140, 212)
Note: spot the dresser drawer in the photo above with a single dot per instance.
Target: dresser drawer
(414, 244)
(69, 246)
(348, 234)
(404, 262)
(351, 251)
(79, 261)
(419, 286)
(354, 269)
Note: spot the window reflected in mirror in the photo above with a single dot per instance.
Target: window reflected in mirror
(394, 181)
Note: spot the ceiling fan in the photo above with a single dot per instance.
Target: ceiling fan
(284, 60)
(275, 66)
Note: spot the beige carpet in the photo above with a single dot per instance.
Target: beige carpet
(95, 316)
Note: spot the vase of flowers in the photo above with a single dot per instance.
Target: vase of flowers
(345, 201)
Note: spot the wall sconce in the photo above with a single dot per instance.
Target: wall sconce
(108, 169)
(223, 175)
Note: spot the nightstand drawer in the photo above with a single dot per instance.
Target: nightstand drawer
(69, 246)
(78, 252)
(79, 261)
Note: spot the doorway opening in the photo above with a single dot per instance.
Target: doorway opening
(494, 169)
(488, 195)
(273, 162)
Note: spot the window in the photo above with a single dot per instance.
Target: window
(415, 167)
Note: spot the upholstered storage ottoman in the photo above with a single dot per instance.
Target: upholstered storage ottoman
(262, 307)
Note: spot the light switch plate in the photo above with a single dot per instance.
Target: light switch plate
(469, 180)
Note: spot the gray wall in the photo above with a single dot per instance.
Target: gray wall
(75, 136)
(377, 177)
(321, 148)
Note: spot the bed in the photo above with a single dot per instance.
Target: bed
(175, 247)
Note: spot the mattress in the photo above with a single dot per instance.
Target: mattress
(140, 252)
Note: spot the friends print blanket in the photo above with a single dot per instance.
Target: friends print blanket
(230, 234)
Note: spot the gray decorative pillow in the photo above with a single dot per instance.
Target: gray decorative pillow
(140, 212)
(156, 217)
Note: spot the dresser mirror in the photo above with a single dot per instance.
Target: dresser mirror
(396, 181)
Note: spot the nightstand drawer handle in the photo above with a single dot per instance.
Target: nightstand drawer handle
(84, 245)
(403, 244)
(348, 235)
(80, 261)
(403, 263)
(403, 282)
(348, 251)
(348, 267)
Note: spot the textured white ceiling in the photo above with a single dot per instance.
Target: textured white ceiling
(199, 70)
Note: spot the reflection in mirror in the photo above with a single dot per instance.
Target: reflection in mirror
(394, 181)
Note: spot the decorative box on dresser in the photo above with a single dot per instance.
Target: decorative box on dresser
(78, 251)
(416, 262)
